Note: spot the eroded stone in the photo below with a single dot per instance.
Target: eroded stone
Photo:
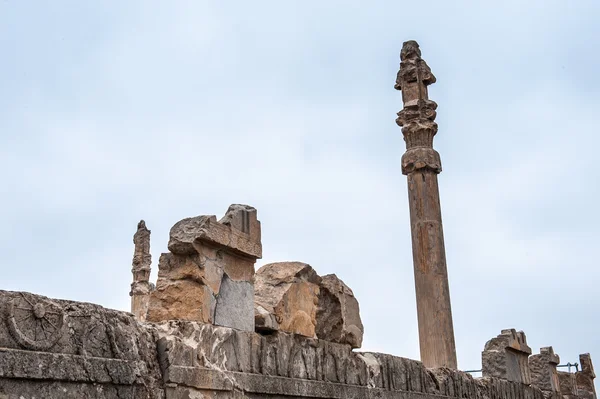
(338, 314)
(543, 370)
(289, 291)
(506, 357)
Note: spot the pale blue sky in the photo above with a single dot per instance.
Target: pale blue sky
(115, 111)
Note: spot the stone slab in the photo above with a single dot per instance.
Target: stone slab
(235, 305)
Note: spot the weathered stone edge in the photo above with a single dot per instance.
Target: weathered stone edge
(21, 364)
(217, 380)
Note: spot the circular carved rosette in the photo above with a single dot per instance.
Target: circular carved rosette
(35, 324)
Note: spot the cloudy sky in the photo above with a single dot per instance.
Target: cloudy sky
(114, 111)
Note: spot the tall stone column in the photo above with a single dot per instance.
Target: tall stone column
(421, 163)
(141, 287)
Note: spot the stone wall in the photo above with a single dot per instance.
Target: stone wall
(56, 349)
(52, 348)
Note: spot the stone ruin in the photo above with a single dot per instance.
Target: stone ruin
(212, 327)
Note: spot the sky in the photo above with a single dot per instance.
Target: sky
(112, 112)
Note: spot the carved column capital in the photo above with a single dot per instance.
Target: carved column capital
(421, 158)
(417, 118)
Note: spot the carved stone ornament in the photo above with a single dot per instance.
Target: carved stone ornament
(35, 324)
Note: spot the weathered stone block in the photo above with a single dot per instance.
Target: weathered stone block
(568, 387)
(543, 370)
(338, 314)
(506, 357)
(238, 231)
(584, 379)
(182, 300)
(208, 256)
(290, 292)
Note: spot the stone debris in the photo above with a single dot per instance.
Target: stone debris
(543, 370)
(208, 274)
(289, 293)
(506, 357)
(338, 315)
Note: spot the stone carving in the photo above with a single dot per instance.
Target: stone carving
(200, 359)
(289, 291)
(421, 163)
(142, 260)
(338, 315)
(35, 324)
(208, 274)
(87, 351)
(543, 371)
(506, 357)
(105, 354)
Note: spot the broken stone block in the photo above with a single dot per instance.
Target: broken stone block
(543, 370)
(338, 316)
(208, 274)
(289, 291)
(584, 379)
(238, 231)
(506, 357)
(142, 260)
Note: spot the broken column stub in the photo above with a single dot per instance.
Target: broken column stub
(543, 371)
(506, 357)
(286, 298)
(207, 275)
(338, 315)
(142, 260)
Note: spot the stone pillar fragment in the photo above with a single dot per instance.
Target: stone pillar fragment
(142, 260)
(208, 274)
(584, 379)
(543, 370)
(506, 357)
(421, 163)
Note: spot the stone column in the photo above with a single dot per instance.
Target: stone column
(141, 287)
(421, 163)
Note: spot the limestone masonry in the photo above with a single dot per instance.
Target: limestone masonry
(212, 327)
